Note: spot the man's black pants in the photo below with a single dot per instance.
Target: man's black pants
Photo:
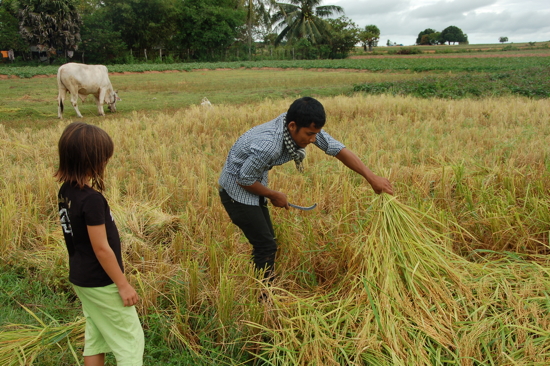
(256, 225)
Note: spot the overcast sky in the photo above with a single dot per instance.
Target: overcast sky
(484, 21)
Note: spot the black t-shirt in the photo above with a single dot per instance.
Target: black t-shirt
(79, 208)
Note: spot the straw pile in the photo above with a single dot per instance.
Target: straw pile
(406, 299)
(22, 344)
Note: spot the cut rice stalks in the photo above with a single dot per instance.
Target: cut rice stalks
(412, 281)
(21, 344)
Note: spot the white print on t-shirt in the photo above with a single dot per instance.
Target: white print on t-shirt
(65, 222)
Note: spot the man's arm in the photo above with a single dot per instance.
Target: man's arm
(107, 259)
(278, 199)
(352, 161)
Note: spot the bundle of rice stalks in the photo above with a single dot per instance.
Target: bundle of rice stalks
(22, 344)
(412, 281)
(398, 239)
(400, 302)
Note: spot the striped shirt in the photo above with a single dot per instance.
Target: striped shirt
(256, 152)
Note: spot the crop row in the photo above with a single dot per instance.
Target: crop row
(373, 64)
(533, 83)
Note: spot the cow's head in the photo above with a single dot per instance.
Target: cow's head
(111, 100)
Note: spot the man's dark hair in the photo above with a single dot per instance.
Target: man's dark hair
(305, 111)
(83, 154)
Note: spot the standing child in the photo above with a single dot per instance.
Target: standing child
(95, 260)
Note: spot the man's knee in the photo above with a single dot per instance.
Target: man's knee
(265, 254)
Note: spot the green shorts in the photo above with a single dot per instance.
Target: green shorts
(110, 326)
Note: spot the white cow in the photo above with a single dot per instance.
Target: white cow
(81, 80)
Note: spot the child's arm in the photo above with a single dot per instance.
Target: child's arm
(107, 259)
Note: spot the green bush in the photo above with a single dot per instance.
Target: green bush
(405, 51)
(409, 51)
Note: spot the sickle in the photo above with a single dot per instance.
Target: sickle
(303, 208)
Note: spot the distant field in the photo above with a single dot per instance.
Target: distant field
(28, 94)
(32, 102)
(489, 47)
(533, 83)
(513, 61)
(446, 54)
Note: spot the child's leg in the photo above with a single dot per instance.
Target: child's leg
(94, 344)
(96, 360)
(118, 325)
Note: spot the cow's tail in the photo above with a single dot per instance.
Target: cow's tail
(59, 84)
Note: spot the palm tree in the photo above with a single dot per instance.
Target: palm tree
(303, 19)
(53, 24)
(258, 19)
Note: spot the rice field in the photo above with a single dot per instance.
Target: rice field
(452, 270)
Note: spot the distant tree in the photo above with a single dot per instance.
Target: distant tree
(9, 28)
(430, 39)
(388, 43)
(142, 24)
(426, 31)
(503, 39)
(435, 38)
(101, 43)
(425, 40)
(206, 28)
(265, 27)
(251, 19)
(453, 34)
(53, 24)
(269, 38)
(86, 7)
(369, 37)
(344, 35)
(259, 20)
(304, 19)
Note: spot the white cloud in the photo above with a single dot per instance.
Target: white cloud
(371, 8)
(483, 20)
(448, 9)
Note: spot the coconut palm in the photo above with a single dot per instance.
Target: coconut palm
(304, 19)
(259, 19)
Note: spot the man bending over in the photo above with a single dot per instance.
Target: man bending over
(243, 182)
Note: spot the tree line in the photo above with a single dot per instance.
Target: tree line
(121, 31)
(450, 34)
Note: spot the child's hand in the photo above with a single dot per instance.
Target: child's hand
(128, 295)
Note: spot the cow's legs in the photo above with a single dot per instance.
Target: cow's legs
(99, 101)
(74, 100)
(60, 100)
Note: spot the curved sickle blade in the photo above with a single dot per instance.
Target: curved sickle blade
(303, 208)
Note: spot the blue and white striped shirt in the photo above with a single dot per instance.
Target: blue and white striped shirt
(256, 152)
